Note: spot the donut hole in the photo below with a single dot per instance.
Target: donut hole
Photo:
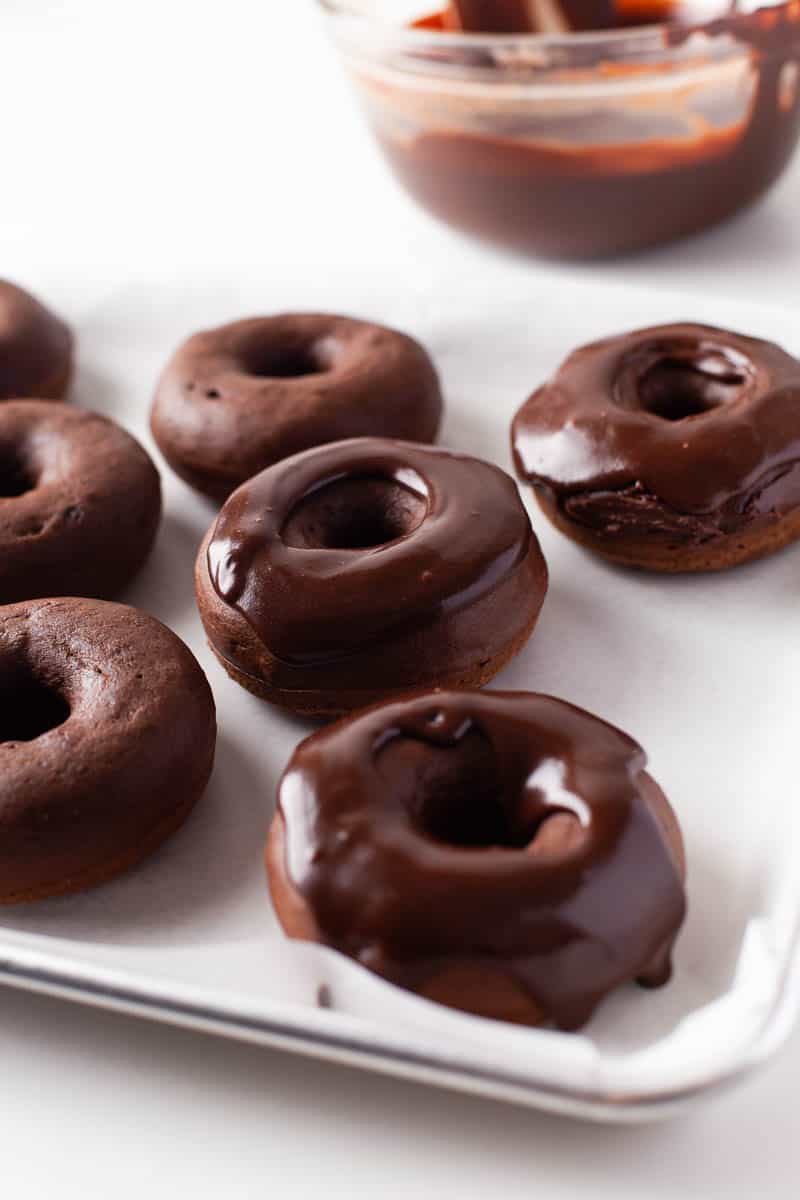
(456, 794)
(288, 360)
(681, 384)
(16, 474)
(355, 513)
(29, 707)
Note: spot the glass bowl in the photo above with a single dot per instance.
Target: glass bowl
(578, 145)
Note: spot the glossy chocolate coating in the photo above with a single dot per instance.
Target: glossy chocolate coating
(419, 833)
(236, 399)
(683, 431)
(533, 16)
(35, 347)
(589, 190)
(319, 587)
(488, 16)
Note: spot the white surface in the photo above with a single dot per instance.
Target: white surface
(150, 135)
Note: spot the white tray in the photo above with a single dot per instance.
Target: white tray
(702, 671)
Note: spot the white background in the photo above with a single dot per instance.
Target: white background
(192, 134)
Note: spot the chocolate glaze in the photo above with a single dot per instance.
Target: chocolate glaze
(682, 431)
(488, 16)
(319, 581)
(35, 347)
(525, 16)
(584, 195)
(417, 832)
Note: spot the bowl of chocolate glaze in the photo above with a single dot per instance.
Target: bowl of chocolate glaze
(577, 128)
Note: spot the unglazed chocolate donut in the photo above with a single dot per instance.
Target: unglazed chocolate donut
(80, 503)
(237, 399)
(35, 348)
(351, 572)
(675, 448)
(107, 734)
(504, 853)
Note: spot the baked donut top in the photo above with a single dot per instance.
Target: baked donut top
(107, 727)
(235, 399)
(700, 418)
(506, 826)
(58, 464)
(339, 546)
(35, 345)
(297, 350)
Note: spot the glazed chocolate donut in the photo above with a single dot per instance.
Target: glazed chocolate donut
(80, 503)
(675, 448)
(107, 734)
(35, 348)
(351, 572)
(237, 399)
(503, 853)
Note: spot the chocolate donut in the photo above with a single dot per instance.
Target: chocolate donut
(675, 448)
(35, 348)
(237, 399)
(503, 853)
(80, 503)
(353, 571)
(107, 734)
